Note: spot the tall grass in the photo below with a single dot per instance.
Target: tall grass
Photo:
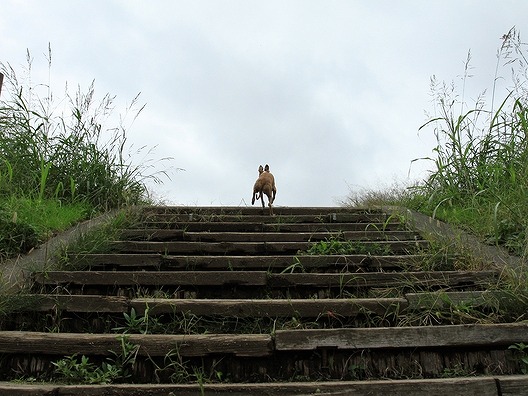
(480, 168)
(64, 149)
(67, 157)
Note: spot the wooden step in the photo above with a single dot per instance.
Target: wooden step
(152, 278)
(251, 210)
(451, 336)
(290, 263)
(340, 217)
(246, 248)
(222, 236)
(244, 345)
(270, 308)
(238, 308)
(264, 278)
(488, 335)
(473, 385)
(385, 279)
(264, 307)
(247, 226)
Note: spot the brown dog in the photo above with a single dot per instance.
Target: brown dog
(265, 184)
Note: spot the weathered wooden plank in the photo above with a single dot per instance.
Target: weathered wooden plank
(249, 262)
(244, 345)
(384, 279)
(113, 259)
(404, 337)
(247, 226)
(257, 216)
(152, 278)
(206, 248)
(75, 303)
(476, 386)
(150, 234)
(243, 247)
(332, 227)
(209, 226)
(283, 262)
(153, 234)
(270, 308)
(218, 307)
(251, 210)
(513, 385)
(263, 278)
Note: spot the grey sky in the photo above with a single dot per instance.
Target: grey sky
(330, 93)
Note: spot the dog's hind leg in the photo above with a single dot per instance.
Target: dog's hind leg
(262, 200)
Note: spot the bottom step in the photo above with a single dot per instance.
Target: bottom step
(481, 386)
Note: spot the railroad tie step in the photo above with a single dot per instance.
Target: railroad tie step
(482, 386)
(62, 344)
(258, 308)
(264, 278)
(475, 335)
(271, 262)
(463, 336)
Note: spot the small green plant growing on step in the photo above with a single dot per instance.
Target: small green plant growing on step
(457, 370)
(125, 359)
(199, 374)
(334, 246)
(80, 370)
(356, 371)
(521, 350)
(135, 323)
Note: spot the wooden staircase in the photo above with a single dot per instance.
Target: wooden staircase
(225, 300)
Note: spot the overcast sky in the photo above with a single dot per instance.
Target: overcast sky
(329, 93)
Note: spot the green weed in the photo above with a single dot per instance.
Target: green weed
(521, 351)
(334, 246)
(136, 324)
(77, 369)
(297, 266)
(80, 370)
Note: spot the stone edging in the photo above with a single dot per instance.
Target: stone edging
(443, 232)
(13, 272)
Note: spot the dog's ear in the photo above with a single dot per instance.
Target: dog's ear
(266, 168)
(261, 169)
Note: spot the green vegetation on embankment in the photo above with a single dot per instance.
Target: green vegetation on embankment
(479, 177)
(61, 160)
